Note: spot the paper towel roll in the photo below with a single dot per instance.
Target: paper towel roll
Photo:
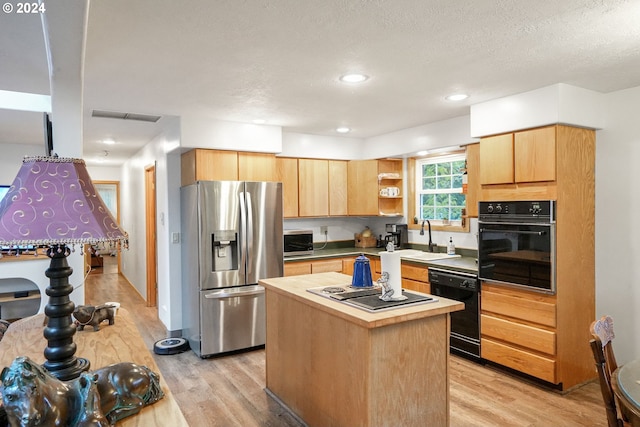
(390, 262)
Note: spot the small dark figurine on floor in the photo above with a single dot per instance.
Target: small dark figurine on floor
(93, 316)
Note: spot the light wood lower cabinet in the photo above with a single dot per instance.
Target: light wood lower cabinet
(530, 363)
(326, 266)
(339, 265)
(297, 268)
(518, 330)
(347, 266)
(415, 278)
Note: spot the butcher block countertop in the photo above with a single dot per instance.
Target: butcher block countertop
(296, 287)
(332, 365)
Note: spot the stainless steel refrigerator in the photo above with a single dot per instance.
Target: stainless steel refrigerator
(231, 238)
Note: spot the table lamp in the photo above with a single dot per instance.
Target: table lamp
(52, 203)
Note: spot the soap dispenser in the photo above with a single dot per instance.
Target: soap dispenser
(451, 248)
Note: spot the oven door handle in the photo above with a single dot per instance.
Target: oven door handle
(531, 233)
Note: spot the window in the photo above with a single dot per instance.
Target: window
(4, 189)
(438, 191)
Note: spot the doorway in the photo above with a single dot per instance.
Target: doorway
(150, 215)
(109, 191)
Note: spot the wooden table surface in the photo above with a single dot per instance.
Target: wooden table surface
(116, 343)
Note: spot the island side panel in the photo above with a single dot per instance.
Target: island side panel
(316, 363)
(409, 373)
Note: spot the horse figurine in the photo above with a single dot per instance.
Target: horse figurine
(32, 397)
(90, 414)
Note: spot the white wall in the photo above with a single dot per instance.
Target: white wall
(201, 131)
(161, 153)
(617, 229)
(322, 147)
(11, 159)
(104, 173)
(559, 103)
(445, 133)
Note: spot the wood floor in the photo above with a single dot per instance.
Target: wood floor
(229, 391)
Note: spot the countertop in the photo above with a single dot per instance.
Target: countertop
(296, 288)
(465, 264)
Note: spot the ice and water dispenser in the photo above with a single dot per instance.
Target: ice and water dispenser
(224, 250)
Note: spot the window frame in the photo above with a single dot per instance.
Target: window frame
(412, 195)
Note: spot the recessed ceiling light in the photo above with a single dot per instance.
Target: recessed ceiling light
(259, 121)
(422, 153)
(343, 129)
(457, 97)
(108, 141)
(353, 78)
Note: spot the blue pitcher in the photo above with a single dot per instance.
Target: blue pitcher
(361, 273)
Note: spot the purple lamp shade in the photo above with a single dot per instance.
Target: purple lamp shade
(53, 201)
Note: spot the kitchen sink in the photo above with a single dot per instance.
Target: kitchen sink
(423, 256)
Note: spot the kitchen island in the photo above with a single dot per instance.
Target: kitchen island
(336, 365)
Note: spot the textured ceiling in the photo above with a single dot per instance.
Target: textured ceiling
(280, 60)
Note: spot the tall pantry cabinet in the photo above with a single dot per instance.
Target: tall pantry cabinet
(545, 336)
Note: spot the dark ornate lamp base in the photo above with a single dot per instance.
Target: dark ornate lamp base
(60, 329)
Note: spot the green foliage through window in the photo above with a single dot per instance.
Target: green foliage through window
(439, 192)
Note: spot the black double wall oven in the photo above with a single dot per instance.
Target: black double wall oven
(517, 244)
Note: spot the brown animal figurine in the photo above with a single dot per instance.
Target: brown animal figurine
(93, 316)
(32, 397)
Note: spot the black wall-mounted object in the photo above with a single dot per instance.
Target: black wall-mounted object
(48, 135)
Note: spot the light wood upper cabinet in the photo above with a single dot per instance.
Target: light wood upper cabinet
(256, 166)
(496, 159)
(313, 187)
(287, 173)
(520, 157)
(209, 165)
(535, 155)
(337, 187)
(220, 165)
(362, 176)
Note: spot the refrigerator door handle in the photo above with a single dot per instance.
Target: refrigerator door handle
(223, 294)
(249, 234)
(243, 234)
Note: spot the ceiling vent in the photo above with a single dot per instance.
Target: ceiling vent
(125, 116)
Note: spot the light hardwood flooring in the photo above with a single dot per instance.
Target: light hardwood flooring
(229, 391)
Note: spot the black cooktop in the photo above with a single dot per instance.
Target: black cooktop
(369, 298)
(373, 302)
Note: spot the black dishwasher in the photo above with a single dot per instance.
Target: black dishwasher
(465, 325)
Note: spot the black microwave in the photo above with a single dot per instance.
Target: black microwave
(298, 242)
